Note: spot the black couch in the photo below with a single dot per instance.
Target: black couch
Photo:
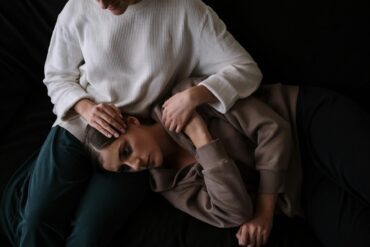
(309, 42)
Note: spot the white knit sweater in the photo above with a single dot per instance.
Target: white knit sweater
(134, 59)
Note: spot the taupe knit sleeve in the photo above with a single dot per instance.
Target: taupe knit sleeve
(272, 136)
(216, 195)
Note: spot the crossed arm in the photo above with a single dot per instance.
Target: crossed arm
(254, 232)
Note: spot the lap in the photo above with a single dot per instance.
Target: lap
(109, 199)
(58, 185)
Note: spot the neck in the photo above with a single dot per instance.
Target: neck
(167, 144)
(176, 156)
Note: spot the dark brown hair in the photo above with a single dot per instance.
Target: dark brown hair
(95, 141)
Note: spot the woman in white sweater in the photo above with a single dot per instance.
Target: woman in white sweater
(106, 56)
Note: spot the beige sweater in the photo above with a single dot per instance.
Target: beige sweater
(257, 136)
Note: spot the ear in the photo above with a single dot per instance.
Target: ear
(133, 120)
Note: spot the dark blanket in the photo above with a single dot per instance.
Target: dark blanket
(323, 43)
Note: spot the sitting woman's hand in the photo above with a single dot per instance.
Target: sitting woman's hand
(177, 110)
(104, 117)
(255, 232)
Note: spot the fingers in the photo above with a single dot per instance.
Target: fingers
(106, 127)
(265, 236)
(176, 112)
(101, 130)
(165, 104)
(243, 235)
(179, 128)
(115, 117)
(108, 119)
(259, 237)
(251, 236)
(171, 123)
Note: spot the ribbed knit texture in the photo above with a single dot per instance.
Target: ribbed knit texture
(134, 59)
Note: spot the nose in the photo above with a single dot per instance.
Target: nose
(135, 164)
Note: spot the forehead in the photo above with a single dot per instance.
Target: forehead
(109, 155)
(113, 147)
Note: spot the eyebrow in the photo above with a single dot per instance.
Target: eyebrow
(120, 149)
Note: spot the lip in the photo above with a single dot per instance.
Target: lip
(111, 7)
(148, 163)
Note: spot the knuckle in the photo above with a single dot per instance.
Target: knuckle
(104, 125)
(94, 116)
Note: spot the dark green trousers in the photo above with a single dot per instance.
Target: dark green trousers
(58, 184)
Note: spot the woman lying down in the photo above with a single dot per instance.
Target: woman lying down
(297, 151)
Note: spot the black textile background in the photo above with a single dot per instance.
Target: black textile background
(312, 42)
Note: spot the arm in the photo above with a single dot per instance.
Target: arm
(273, 138)
(218, 196)
(233, 72)
(62, 76)
(62, 69)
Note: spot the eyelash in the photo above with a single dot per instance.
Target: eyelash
(126, 151)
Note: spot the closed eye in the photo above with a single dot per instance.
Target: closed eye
(125, 151)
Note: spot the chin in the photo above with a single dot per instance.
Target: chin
(118, 10)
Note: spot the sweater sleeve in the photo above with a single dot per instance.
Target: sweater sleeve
(62, 70)
(233, 72)
(218, 196)
(273, 138)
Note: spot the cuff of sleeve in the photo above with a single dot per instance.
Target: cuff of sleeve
(222, 90)
(64, 108)
(271, 182)
(211, 154)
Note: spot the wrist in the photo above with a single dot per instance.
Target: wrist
(200, 139)
(198, 135)
(82, 105)
(200, 95)
(266, 204)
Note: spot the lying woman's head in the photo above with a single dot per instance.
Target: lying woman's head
(138, 149)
